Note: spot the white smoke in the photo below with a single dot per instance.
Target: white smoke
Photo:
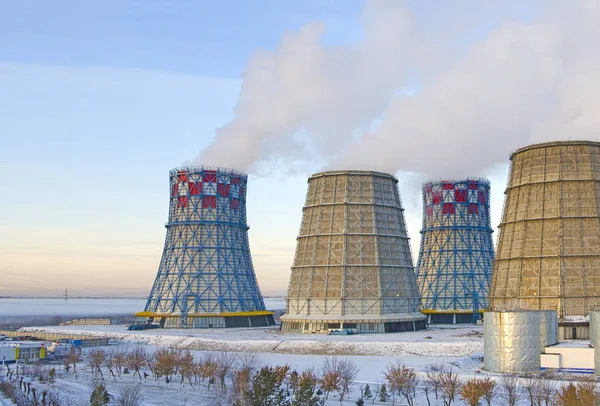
(447, 94)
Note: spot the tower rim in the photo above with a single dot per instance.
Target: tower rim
(482, 181)
(363, 172)
(201, 168)
(554, 144)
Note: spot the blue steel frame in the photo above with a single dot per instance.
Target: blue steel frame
(206, 266)
(456, 252)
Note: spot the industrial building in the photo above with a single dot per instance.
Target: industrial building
(353, 267)
(526, 341)
(25, 351)
(206, 278)
(548, 254)
(456, 252)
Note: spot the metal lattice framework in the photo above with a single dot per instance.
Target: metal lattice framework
(548, 253)
(206, 267)
(456, 253)
(353, 264)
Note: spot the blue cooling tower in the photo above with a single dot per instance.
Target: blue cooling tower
(206, 278)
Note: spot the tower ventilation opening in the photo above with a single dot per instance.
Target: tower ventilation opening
(206, 278)
(548, 253)
(456, 253)
(353, 267)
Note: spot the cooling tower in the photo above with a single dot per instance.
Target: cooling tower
(548, 253)
(353, 268)
(206, 278)
(456, 253)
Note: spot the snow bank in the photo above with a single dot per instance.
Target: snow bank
(440, 342)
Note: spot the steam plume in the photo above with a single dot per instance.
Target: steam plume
(421, 93)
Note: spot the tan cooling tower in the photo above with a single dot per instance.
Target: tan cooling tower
(353, 267)
(548, 254)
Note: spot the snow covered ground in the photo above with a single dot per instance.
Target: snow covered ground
(76, 390)
(448, 341)
(459, 347)
(4, 401)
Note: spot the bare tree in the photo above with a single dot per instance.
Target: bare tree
(96, 359)
(242, 376)
(186, 365)
(109, 363)
(403, 381)
(471, 392)
(331, 380)
(136, 360)
(53, 399)
(449, 386)
(207, 368)
(533, 386)
(423, 387)
(120, 358)
(509, 389)
(376, 388)
(177, 355)
(528, 387)
(164, 363)
(433, 380)
(224, 365)
(488, 386)
(73, 357)
(348, 371)
(129, 396)
(547, 389)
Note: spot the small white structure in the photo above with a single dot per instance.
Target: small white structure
(574, 356)
(60, 349)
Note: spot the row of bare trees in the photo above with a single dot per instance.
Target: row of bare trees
(441, 383)
(245, 382)
(240, 376)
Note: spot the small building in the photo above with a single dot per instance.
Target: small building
(11, 351)
(573, 356)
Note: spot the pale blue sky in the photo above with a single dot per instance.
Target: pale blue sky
(98, 100)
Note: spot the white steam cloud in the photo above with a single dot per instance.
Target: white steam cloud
(446, 94)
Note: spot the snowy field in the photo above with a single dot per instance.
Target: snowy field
(459, 347)
(456, 347)
(76, 390)
(434, 342)
(87, 307)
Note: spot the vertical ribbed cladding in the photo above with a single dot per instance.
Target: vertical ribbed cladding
(456, 252)
(548, 253)
(206, 267)
(514, 340)
(353, 268)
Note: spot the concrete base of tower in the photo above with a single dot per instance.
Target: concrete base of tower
(225, 320)
(434, 317)
(367, 325)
